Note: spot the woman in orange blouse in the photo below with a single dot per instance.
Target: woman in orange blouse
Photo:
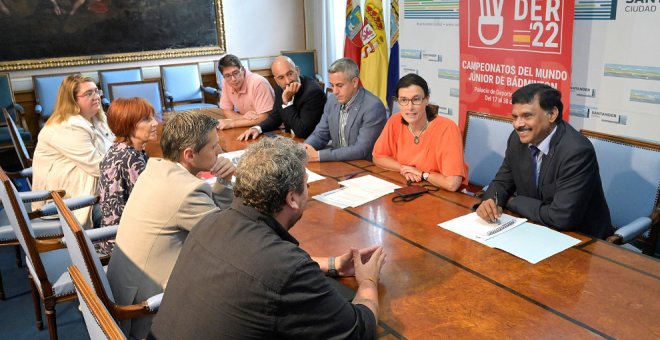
(419, 144)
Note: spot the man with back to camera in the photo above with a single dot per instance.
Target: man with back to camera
(249, 93)
(299, 102)
(352, 120)
(550, 172)
(242, 275)
(166, 203)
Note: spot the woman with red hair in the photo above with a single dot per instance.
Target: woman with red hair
(133, 123)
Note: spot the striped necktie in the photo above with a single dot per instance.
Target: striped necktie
(343, 118)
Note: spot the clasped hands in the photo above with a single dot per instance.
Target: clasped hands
(364, 264)
(411, 173)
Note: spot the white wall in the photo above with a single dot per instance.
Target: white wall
(254, 29)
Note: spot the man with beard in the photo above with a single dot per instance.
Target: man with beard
(242, 275)
(550, 173)
(299, 102)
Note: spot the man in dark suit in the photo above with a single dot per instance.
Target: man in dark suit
(242, 275)
(352, 120)
(550, 173)
(299, 102)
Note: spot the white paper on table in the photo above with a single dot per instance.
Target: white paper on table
(532, 242)
(528, 241)
(313, 176)
(352, 197)
(371, 184)
(326, 198)
(475, 228)
(233, 156)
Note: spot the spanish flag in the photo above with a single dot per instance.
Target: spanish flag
(373, 71)
(353, 42)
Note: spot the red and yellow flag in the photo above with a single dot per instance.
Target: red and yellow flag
(373, 71)
(353, 42)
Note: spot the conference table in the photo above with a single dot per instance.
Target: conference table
(438, 284)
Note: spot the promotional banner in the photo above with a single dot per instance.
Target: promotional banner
(428, 39)
(505, 45)
(373, 71)
(616, 69)
(353, 42)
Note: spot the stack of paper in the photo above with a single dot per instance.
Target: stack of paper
(357, 191)
(528, 241)
(235, 156)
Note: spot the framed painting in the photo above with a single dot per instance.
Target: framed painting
(58, 33)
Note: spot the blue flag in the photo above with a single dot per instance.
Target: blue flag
(393, 67)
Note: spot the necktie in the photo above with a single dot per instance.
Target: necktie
(534, 152)
(343, 117)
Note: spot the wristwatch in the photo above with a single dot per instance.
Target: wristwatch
(425, 176)
(332, 270)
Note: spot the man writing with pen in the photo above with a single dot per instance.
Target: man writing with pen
(550, 173)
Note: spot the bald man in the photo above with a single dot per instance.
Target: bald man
(299, 102)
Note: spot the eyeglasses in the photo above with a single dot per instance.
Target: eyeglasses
(234, 74)
(91, 93)
(404, 101)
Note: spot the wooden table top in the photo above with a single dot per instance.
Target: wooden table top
(438, 284)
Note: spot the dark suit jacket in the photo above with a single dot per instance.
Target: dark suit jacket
(366, 120)
(241, 275)
(570, 194)
(303, 115)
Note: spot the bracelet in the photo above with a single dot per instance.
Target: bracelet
(332, 271)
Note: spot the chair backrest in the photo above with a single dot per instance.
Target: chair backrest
(107, 77)
(99, 322)
(305, 60)
(485, 141)
(45, 92)
(83, 256)
(183, 82)
(147, 89)
(19, 145)
(630, 173)
(18, 218)
(6, 97)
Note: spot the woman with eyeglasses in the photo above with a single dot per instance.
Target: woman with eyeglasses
(133, 123)
(419, 144)
(72, 144)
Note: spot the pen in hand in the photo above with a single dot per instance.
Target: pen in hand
(497, 207)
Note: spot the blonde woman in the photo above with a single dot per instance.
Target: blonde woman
(72, 144)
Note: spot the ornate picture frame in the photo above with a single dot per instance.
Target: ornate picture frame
(64, 33)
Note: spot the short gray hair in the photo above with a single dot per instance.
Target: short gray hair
(186, 129)
(268, 171)
(346, 66)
